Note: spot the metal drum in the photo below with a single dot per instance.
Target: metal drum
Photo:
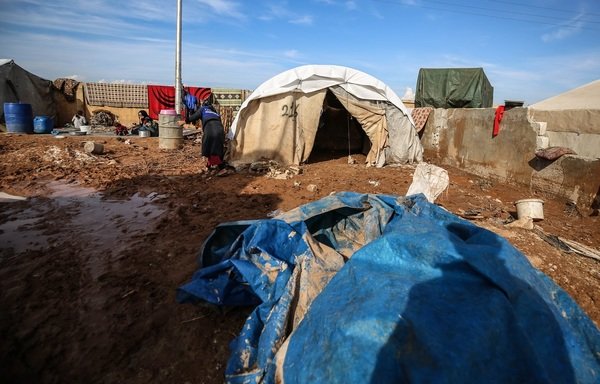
(170, 134)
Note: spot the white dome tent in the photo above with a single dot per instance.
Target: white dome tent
(285, 117)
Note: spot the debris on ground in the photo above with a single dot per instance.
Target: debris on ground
(312, 188)
(471, 214)
(569, 246)
(523, 222)
(276, 171)
(103, 118)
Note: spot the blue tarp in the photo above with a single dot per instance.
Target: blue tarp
(358, 288)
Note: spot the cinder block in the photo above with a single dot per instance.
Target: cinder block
(541, 128)
(542, 142)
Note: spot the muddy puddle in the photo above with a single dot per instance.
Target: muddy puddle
(99, 226)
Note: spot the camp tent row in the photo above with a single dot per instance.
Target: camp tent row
(328, 107)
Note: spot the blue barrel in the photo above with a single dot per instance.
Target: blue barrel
(19, 117)
(43, 124)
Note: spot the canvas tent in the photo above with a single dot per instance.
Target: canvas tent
(19, 85)
(572, 119)
(453, 88)
(315, 106)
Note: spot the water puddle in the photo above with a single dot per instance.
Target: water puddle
(20, 234)
(98, 228)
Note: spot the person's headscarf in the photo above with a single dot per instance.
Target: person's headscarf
(144, 118)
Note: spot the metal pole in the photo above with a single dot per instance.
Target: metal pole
(178, 84)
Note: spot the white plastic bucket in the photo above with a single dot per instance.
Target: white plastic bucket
(533, 208)
(86, 128)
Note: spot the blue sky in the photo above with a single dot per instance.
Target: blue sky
(530, 49)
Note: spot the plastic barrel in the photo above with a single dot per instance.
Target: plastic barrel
(43, 124)
(170, 134)
(19, 117)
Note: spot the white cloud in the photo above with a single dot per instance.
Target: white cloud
(74, 77)
(568, 29)
(276, 11)
(99, 19)
(281, 12)
(223, 8)
(375, 13)
(292, 54)
(304, 20)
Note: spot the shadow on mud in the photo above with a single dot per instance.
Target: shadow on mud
(89, 280)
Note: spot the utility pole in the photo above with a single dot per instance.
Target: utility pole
(178, 84)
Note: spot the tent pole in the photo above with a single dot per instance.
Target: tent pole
(178, 61)
(348, 117)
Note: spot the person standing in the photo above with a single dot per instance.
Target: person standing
(213, 136)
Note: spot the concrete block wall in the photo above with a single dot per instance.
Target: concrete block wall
(463, 138)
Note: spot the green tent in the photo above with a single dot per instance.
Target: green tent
(453, 88)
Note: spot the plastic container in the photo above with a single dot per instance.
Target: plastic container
(43, 124)
(86, 128)
(170, 112)
(19, 117)
(533, 208)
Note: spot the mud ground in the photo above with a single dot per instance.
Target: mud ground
(90, 261)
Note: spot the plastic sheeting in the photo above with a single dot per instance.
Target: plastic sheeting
(453, 88)
(375, 288)
(429, 180)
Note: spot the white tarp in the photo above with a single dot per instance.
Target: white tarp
(585, 97)
(429, 180)
(576, 111)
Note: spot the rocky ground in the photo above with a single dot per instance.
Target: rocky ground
(90, 261)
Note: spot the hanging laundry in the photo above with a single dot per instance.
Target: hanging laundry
(163, 97)
(498, 119)
(420, 116)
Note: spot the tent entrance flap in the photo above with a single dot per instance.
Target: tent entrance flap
(339, 134)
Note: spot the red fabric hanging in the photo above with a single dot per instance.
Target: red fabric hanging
(497, 120)
(163, 97)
